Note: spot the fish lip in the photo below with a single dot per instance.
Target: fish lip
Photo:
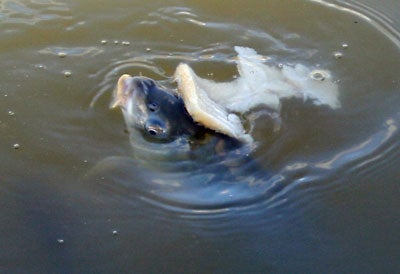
(121, 91)
(127, 96)
(127, 87)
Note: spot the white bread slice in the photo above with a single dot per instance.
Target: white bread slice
(216, 105)
(204, 110)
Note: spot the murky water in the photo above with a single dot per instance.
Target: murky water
(336, 208)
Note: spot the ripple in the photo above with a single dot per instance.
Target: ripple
(271, 189)
(330, 175)
(375, 18)
(32, 12)
(72, 51)
(366, 151)
(173, 14)
(111, 73)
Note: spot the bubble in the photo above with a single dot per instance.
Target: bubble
(103, 42)
(62, 54)
(11, 113)
(40, 66)
(16, 146)
(116, 42)
(115, 232)
(67, 73)
(60, 241)
(148, 49)
(337, 55)
(318, 75)
(345, 45)
(125, 43)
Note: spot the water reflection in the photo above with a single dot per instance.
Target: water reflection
(372, 15)
(72, 51)
(369, 150)
(174, 191)
(32, 12)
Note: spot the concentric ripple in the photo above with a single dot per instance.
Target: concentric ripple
(303, 151)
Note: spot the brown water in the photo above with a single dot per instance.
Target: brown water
(337, 209)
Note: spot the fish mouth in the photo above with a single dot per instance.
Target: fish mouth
(129, 95)
(122, 91)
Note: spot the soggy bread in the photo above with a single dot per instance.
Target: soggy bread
(203, 109)
(216, 105)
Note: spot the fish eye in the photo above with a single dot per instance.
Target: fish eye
(155, 130)
(153, 107)
(152, 131)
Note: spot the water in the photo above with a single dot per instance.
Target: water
(337, 208)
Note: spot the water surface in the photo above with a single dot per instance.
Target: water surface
(337, 206)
